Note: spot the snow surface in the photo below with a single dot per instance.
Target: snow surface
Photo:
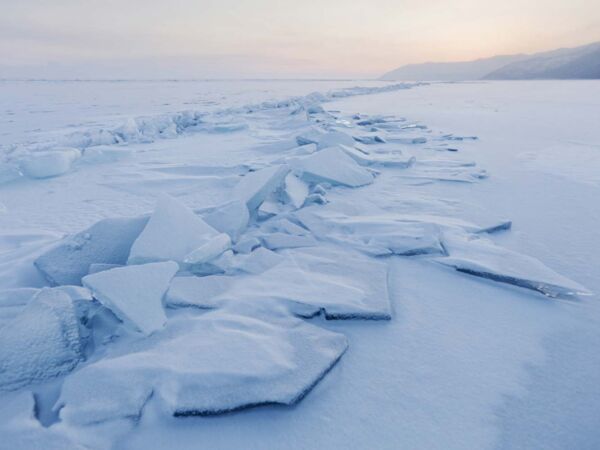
(497, 180)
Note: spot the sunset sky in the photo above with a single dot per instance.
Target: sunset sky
(309, 38)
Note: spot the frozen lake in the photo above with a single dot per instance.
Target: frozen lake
(389, 193)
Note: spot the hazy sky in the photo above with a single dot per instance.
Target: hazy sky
(246, 38)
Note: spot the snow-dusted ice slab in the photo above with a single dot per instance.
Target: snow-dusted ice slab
(342, 283)
(480, 257)
(42, 342)
(213, 364)
(255, 187)
(106, 242)
(332, 165)
(231, 218)
(134, 293)
(375, 235)
(172, 232)
(49, 164)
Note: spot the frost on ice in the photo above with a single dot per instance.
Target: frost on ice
(134, 293)
(42, 342)
(275, 361)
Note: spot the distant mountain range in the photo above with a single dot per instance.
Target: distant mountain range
(565, 63)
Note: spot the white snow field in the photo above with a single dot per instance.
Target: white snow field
(299, 264)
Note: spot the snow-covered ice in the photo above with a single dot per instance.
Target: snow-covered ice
(275, 362)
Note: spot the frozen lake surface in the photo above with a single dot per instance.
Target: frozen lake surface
(389, 266)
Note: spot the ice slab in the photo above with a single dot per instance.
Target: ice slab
(199, 292)
(333, 138)
(231, 218)
(475, 255)
(296, 191)
(51, 163)
(375, 235)
(390, 160)
(255, 187)
(134, 293)
(257, 261)
(42, 342)
(332, 165)
(172, 232)
(213, 364)
(108, 241)
(342, 283)
(215, 247)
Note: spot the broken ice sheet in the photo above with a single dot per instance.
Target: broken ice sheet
(478, 256)
(215, 363)
(341, 282)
